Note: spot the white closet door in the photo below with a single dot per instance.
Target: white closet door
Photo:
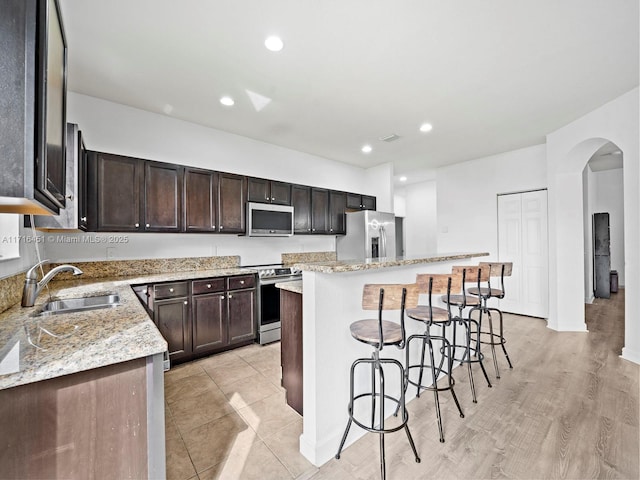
(523, 240)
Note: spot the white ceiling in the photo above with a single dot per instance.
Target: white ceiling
(490, 76)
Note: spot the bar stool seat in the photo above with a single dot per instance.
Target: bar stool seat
(461, 300)
(368, 331)
(484, 291)
(381, 333)
(421, 312)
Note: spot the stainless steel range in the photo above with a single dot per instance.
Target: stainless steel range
(269, 299)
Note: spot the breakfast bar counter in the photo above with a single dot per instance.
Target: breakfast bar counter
(332, 300)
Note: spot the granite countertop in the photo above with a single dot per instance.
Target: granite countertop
(294, 286)
(51, 346)
(340, 266)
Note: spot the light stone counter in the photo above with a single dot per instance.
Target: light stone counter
(294, 286)
(340, 266)
(50, 346)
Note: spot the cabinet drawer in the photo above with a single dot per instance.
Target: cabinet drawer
(170, 290)
(241, 281)
(207, 286)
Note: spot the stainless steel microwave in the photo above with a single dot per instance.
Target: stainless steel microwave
(266, 220)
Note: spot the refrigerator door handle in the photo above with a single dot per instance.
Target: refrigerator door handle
(383, 240)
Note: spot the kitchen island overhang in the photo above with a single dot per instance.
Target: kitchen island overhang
(332, 300)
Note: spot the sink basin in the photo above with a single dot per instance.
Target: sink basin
(70, 305)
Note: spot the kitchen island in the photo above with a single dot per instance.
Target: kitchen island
(332, 300)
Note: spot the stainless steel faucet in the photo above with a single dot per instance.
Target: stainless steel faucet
(31, 285)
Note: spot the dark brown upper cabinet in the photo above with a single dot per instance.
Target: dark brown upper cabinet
(162, 197)
(337, 211)
(114, 192)
(200, 200)
(133, 195)
(232, 196)
(262, 190)
(33, 82)
(301, 201)
(356, 201)
(319, 210)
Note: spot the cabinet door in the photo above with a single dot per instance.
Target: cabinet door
(209, 326)
(231, 201)
(301, 201)
(200, 200)
(280, 193)
(162, 197)
(354, 201)
(117, 190)
(337, 209)
(368, 202)
(241, 315)
(319, 210)
(258, 190)
(171, 316)
(83, 197)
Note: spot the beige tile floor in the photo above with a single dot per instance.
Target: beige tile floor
(226, 417)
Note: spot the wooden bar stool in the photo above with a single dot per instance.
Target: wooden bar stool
(381, 333)
(491, 337)
(434, 284)
(473, 275)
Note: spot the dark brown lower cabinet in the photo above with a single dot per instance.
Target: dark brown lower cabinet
(241, 315)
(172, 319)
(209, 329)
(291, 347)
(204, 316)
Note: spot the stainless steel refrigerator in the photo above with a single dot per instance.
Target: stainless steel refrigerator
(601, 255)
(370, 234)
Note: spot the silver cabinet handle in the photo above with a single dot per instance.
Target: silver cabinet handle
(137, 225)
(208, 285)
(221, 297)
(308, 229)
(186, 303)
(230, 296)
(273, 198)
(241, 282)
(171, 290)
(84, 219)
(221, 227)
(147, 225)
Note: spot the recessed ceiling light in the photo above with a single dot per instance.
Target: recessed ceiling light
(274, 43)
(366, 149)
(227, 101)
(403, 179)
(426, 127)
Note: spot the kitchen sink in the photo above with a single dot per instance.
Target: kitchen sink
(70, 305)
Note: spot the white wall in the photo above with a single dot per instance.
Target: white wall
(609, 198)
(568, 150)
(588, 200)
(115, 128)
(421, 219)
(28, 256)
(467, 196)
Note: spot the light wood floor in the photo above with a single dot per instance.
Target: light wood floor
(568, 409)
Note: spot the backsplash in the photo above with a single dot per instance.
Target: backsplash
(116, 268)
(11, 291)
(307, 257)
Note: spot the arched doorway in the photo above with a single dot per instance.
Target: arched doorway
(568, 150)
